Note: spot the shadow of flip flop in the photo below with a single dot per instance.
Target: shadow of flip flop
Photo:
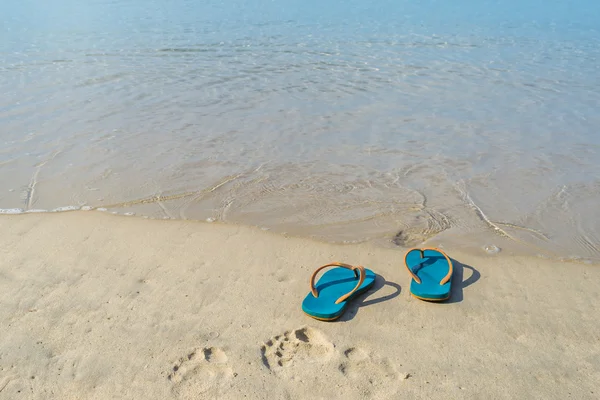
(362, 300)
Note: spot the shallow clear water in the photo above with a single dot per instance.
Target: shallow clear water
(465, 123)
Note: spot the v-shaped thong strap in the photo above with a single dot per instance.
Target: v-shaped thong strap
(359, 272)
(413, 271)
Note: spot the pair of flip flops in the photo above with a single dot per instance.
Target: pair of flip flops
(431, 271)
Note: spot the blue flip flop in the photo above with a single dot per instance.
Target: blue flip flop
(431, 271)
(329, 298)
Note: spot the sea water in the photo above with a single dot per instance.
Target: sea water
(456, 123)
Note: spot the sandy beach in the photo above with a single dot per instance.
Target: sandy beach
(98, 307)
(172, 173)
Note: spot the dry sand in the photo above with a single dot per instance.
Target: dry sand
(103, 307)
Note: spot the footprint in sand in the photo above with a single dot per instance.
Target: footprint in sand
(305, 357)
(200, 371)
(300, 346)
(365, 369)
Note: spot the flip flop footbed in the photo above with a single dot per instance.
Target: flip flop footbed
(331, 286)
(431, 270)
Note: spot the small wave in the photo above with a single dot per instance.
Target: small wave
(67, 208)
(11, 211)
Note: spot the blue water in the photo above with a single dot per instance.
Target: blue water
(466, 123)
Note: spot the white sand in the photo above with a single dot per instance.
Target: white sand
(102, 307)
